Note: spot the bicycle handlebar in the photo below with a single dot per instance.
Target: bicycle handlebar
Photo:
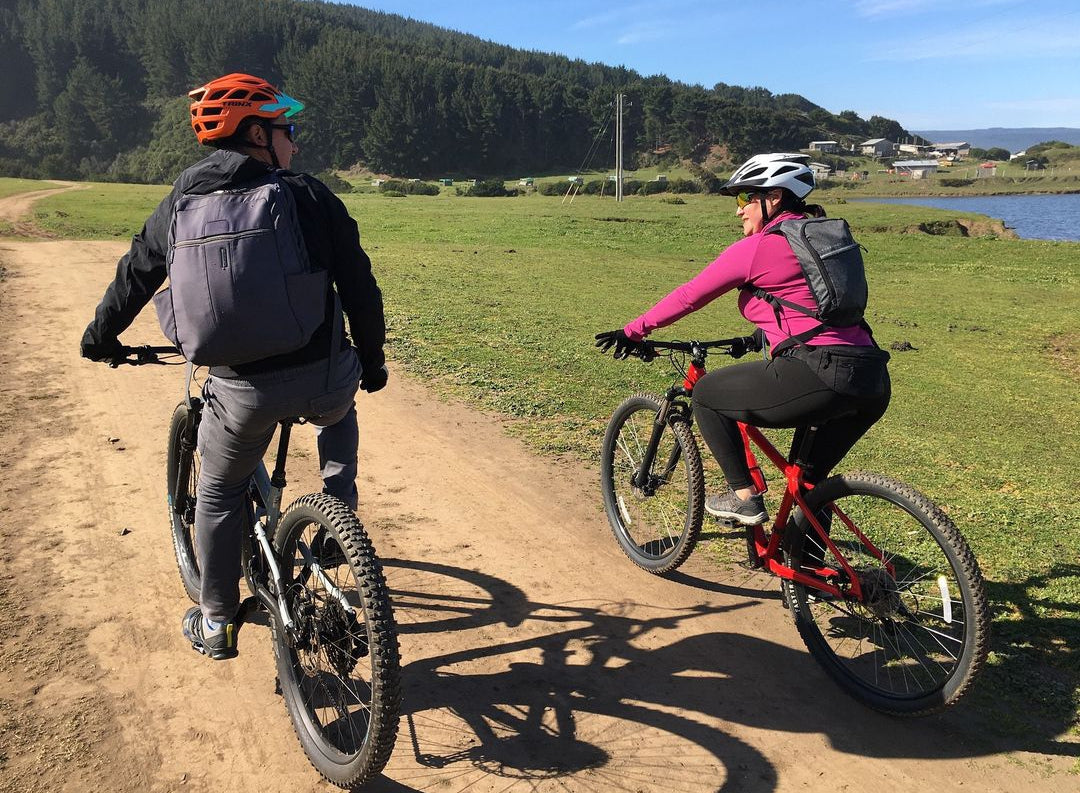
(144, 354)
(691, 346)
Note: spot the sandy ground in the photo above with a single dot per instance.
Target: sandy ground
(535, 656)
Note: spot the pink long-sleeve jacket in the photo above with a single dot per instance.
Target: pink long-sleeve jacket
(763, 260)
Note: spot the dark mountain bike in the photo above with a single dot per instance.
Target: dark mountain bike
(312, 568)
(884, 590)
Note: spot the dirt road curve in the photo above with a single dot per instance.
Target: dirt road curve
(536, 658)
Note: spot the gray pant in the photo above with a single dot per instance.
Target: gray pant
(239, 418)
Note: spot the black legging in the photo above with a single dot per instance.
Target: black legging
(781, 392)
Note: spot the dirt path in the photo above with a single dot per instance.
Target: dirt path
(15, 208)
(536, 658)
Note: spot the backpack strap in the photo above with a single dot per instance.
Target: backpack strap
(806, 335)
(332, 300)
(776, 303)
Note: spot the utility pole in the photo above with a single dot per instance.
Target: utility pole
(618, 148)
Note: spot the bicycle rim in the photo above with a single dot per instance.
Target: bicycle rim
(181, 496)
(657, 526)
(918, 636)
(340, 678)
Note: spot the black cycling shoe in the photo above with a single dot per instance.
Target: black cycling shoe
(218, 644)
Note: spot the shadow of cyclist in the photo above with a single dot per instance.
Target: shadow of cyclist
(595, 694)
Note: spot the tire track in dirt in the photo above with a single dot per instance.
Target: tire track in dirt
(536, 658)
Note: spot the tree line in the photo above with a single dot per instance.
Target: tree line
(96, 89)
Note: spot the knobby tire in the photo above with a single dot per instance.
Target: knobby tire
(184, 424)
(918, 639)
(341, 680)
(657, 530)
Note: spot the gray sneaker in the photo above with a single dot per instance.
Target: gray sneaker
(219, 644)
(729, 506)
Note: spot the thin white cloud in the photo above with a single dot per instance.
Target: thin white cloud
(879, 8)
(647, 31)
(884, 8)
(993, 42)
(597, 20)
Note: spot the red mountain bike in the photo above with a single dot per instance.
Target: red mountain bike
(884, 589)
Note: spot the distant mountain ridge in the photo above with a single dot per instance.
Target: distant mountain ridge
(1012, 138)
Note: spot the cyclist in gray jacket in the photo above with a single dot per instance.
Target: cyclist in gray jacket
(248, 121)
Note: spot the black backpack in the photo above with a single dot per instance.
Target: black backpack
(832, 264)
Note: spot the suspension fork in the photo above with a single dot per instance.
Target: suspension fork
(642, 477)
(694, 373)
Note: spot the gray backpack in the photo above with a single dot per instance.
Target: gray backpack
(832, 263)
(241, 287)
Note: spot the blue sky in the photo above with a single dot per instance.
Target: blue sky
(929, 64)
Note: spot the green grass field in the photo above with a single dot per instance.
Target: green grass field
(496, 301)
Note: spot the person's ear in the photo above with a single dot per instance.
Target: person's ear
(256, 135)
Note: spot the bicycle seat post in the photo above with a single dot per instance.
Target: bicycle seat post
(802, 444)
(277, 480)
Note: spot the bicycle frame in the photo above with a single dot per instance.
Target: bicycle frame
(266, 493)
(767, 545)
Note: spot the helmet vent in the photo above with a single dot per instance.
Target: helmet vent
(260, 97)
(785, 169)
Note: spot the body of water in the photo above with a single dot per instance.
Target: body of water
(1037, 217)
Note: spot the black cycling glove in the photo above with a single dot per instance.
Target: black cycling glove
(373, 378)
(624, 346)
(108, 350)
(745, 344)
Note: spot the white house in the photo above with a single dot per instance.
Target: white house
(914, 149)
(876, 147)
(916, 169)
(821, 170)
(826, 146)
(959, 149)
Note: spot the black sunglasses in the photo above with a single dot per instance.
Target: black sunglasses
(290, 130)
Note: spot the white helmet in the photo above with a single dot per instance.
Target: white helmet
(769, 171)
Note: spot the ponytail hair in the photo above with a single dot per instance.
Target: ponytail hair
(789, 202)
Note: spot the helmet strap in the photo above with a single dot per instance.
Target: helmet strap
(764, 208)
(268, 127)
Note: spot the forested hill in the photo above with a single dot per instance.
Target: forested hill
(96, 89)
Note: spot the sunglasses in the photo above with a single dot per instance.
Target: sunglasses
(742, 199)
(289, 129)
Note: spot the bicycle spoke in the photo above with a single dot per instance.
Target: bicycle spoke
(904, 645)
(656, 520)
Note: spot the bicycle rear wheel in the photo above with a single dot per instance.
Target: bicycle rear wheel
(657, 525)
(340, 674)
(182, 474)
(918, 637)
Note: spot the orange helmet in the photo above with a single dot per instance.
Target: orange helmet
(219, 106)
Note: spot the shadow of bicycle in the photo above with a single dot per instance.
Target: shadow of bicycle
(600, 695)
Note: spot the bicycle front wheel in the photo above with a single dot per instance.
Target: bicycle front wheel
(656, 522)
(340, 671)
(916, 639)
(182, 474)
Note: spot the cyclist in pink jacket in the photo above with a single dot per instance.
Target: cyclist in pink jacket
(839, 383)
